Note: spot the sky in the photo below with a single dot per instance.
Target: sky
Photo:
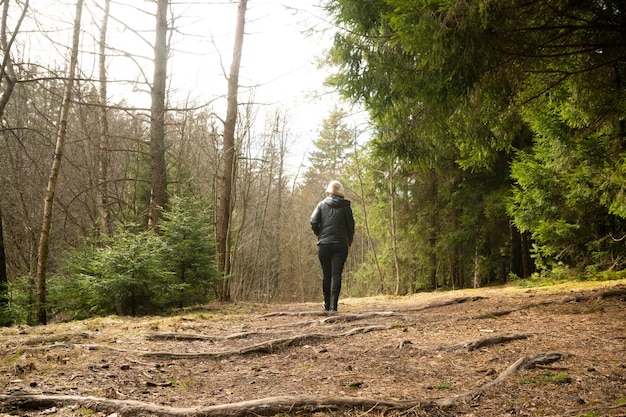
(284, 39)
(283, 42)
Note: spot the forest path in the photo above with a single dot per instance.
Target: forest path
(490, 352)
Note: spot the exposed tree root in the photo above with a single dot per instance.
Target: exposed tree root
(55, 338)
(593, 410)
(487, 341)
(265, 406)
(493, 314)
(269, 346)
(445, 303)
(346, 318)
(619, 291)
(194, 337)
(189, 337)
(527, 362)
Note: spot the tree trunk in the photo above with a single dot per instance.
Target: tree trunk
(44, 239)
(103, 154)
(281, 136)
(158, 178)
(230, 123)
(432, 228)
(7, 73)
(528, 265)
(394, 228)
(370, 240)
(477, 280)
(4, 279)
(8, 77)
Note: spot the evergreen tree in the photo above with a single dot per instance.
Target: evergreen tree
(461, 89)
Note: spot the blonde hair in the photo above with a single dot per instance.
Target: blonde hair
(335, 188)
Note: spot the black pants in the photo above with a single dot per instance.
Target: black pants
(332, 258)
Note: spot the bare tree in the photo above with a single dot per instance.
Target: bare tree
(103, 155)
(8, 77)
(158, 178)
(42, 253)
(230, 123)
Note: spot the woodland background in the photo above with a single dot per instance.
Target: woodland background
(494, 151)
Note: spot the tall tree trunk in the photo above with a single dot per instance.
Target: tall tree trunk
(477, 279)
(432, 227)
(9, 79)
(4, 278)
(230, 123)
(528, 265)
(515, 252)
(158, 178)
(394, 228)
(44, 239)
(282, 151)
(366, 223)
(103, 154)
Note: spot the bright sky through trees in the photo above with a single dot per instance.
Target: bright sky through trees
(284, 39)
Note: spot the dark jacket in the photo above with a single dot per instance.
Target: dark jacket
(332, 221)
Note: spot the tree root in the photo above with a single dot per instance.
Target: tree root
(487, 341)
(265, 406)
(269, 346)
(444, 303)
(618, 291)
(527, 362)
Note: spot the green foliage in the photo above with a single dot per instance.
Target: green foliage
(190, 249)
(127, 276)
(519, 110)
(22, 299)
(141, 272)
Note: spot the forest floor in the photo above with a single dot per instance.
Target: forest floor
(551, 351)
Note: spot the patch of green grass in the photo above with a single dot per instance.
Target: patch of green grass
(180, 383)
(10, 360)
(592, 310)
(547, 378)
(621, 401)
(443, 385)
(490, 315)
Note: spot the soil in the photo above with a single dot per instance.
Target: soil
(554, 351)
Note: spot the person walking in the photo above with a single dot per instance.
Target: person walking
(333, 224)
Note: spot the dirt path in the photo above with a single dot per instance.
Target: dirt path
(493, 352)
